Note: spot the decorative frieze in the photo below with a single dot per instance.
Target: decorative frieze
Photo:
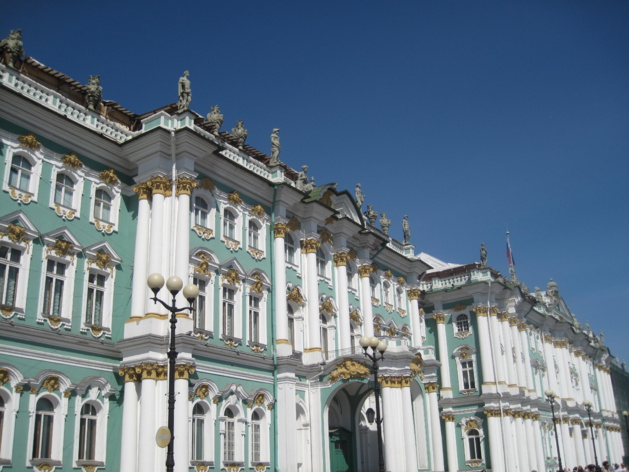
(395, 382)
(349, 369)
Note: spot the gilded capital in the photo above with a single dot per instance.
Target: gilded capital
(431, 387)
(364, 271)
(341, 258)
(503, 316)
(151, 370)
(185, 186)
(129, 373)
(160, 185)
(183, 371)
(548, 339)
(513, 321)
(413, 294)
(143, 190)
(310, 246)
(522, 326)
(578, 353)
(395, 382)
(440, 318)
(447, 417)
(280, 230)
(480, 310)
(492, 413)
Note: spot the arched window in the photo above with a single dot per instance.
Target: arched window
(320, 263)
(42, 438)
(256, 436)
(462, 323)
(64, 191)
(473, 442)
(87, 432)
(198, 430)
(229, 440)
(289, 249)
(253, 239)
(201, 212)
(229, 224)
(21, 171)
(102, 205)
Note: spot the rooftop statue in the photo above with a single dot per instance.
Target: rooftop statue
(309, 187)
(371, 215)
(385, 223)
(240, 133)
(215, 119)
(406, 228)
(483, 255)
(12, 46)
(360, 198)
(302, 179)
(94, 92)
(275, 148)
(185, 93)
(552, 291)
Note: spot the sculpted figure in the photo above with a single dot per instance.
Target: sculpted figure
(360, 198)
(94, 92)
(371, 215)
(302, 178)
(185, 93)
(309, 187)
(240, 133)
(12, 46)
(483, 255)
(215, 119)
(406, 228)
(385, 223)
(275, 148)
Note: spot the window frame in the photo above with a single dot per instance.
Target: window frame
(57, 428)
(114, 193)
(35, 159)
(77, 177)
(463, 355)
(262, 423)
(470, 425)
(257, 252)
(209, 231)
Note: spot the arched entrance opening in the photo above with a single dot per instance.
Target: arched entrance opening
(352, 440)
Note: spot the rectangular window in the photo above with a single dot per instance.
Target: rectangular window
(42, 442)
(255, 442)
(467, 372)
(87, 439)
(199, 304)
(95, 297)
(53, 289)
(197, 438)
(291, 331)
(9, 273)
(254, 319)
(228, 311)
(229, 445)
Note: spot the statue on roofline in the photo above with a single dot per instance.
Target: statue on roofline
(360, 198)
(185, 93)
(215, 119)
(302, 179)
(385, 223)
(12, 46)
(94, 92)
(275, 148)
(240, 133)
(406, 228)
(371, 214)
(309, 187)
(483, 255)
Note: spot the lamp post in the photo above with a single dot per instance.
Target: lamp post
(190, 292)
(588, 406)
(376, 346)
(551, 399)
(625, 413)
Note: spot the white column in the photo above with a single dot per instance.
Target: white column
(497, 349)
(392, 420)
(585, 378)
(564, 369)
(316, 430)
(531, 447)
(528, 369)
(578, 441)
(451, 442)
(413, 299)
(365, 298)
(444, 355)
(496, 447)
(519, 362)
(155, 262)
(409, 426)
(140, 256)
(129, 433)
(343, 327)
(182, 240)
(286, 421)
(148, 407)
(550, 363)
(489, 380)
(569, 455)
(512, 370)
(435, 427)
(281, 317)
(539, 443)
(510, 443)
(521, 442)
(312, 353)
(181, 433)
(601, 447)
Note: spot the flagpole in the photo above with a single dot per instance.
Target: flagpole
(511, 260)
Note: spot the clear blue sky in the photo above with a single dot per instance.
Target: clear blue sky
(469, 116)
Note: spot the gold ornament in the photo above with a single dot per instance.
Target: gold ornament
(349, 369)
(72, 160)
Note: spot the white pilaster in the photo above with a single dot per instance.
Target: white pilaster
(531, 447)
(435, 427)
(539, 444)
(578, 442)
(147, 448)
(287, 421)
(489, 379)
(364, 270)
(281, 317)
(413, 301)
(312, 353)
(182, 442)
(140, 256)
(409, 435)
(521, 442)
(528, 369)
(451, 442)
(129, 433)
(442, 342)
(496, 447)
(343, 327)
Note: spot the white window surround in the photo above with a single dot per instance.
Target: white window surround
(238, 421)
(296, 264)
(35, 158)
(264, 445)
(352, 277)
(11, 402)
(400, 300)
(77, 176)
(203, 266)
(461, 324)
(325, 272)
(258, 281)
(258, 252)
(471, 425)
(60, 407)
(236, 337)
(100, 441)
(206, 449)
(101, 224)
(209, 230)
(463, 354)
(233, 243)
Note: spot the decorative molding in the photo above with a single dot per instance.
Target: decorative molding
(61, 247)
(328, 307)
(63, 213)
(202, 391)
(23, 197)
(326, 237)
(293, 224)
(51, 383)
(102, 260)
(15, 233)
(109, 177)
(503, 316)
(5, 376)
(29, 141)
(255, 253)
(203, 267)
(72, 160)
(401, 281)
(355, 317)
(349, 369)
(295, 296)
(388, 274)
(203, 233)
(416, 365)
(231, 244)
(459, 307)
(231, 277)
(257, 285)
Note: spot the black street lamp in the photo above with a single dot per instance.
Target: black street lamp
(551, 399)
(588, 406)
(625, 413)
(376, 346)
(190, 292)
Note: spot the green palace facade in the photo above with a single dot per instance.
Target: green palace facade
(269, 373)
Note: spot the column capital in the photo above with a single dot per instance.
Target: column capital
(185, 185)
(341, 258)
(522, 326)
(129, 373)
(151, 370)
(447, 417)
(143, 190)
(280, 230)
(310, 246)
(492, 413)
(431, 387)
(160, 185)
(513, 321)
(440, 318)
(364, 271)
(183, 371)
(503, 316)
(414, 293)
(395, 382)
